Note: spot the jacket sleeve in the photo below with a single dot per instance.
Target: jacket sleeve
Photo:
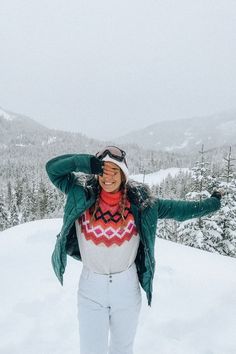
(184, 210)
(60, 169)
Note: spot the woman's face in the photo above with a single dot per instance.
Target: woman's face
(111, 179)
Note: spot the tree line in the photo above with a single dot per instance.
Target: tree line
(216, 232)
(29, 195)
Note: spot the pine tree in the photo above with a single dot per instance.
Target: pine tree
(172, 188)
(9, 192)
(19, 191)
(14, 215)
(26, 205)
(34, 202)
(42, 200)
(3, 214)
(226, 216)
(167, 229)
(55, 202)
(202, 233)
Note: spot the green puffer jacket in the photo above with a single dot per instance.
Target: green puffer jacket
(81, 193)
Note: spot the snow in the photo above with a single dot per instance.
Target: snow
(176, 147)
(159, 176)
(5, 115)
(198, 142)
(188, 133)
(193, 309)
(51, 140)
(226, 127)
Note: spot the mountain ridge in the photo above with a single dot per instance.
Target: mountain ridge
(24, 140)
(186, 135)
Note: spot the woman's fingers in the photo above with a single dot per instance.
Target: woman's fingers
(109, 169)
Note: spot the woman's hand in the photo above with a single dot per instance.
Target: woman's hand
(110, 169)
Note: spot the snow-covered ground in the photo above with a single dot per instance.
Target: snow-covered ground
(159, 176)
(193, 310)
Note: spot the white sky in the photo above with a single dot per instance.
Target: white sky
(107, 67)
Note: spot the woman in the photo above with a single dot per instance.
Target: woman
(110, 225)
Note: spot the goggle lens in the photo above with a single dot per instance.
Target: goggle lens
(112, 151)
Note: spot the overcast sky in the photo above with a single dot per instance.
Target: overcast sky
(105, 67)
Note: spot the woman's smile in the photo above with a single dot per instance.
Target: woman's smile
(111, 179)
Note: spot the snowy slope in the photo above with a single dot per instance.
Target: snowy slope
(158, 177)
(186, 135)
(193, 310)
(6, 115)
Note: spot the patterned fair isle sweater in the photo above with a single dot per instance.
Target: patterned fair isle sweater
(106, 246)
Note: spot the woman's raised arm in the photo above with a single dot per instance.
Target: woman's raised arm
(60, 169)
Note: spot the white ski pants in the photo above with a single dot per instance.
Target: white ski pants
(108, 311)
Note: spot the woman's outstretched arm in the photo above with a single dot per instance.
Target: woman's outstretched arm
(183, 210)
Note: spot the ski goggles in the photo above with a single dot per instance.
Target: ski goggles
(114, 152)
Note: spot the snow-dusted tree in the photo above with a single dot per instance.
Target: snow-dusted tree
(33, 200)
(202, 233)
(3, 214)
(19, 191)
(42, 200)
(182, 184)
(26, 204)
(51, 200)
(173, 187)
(201, 179)
(9, 192)
(14, 214)
(167, 229)
(56, 201)
(226, 216)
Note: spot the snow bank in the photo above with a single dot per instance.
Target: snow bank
(193, 310)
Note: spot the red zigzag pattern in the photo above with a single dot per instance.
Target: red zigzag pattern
(100, 233)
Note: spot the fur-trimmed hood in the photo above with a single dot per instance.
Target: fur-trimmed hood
(140, 194)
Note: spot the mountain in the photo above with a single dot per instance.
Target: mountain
(186, 135)
(22, 131)
(23, 140)
(193, 308)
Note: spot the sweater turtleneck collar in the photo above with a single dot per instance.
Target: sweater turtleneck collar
(110, 198)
